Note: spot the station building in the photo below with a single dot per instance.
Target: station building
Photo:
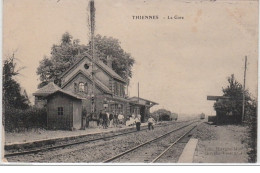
(72, 101)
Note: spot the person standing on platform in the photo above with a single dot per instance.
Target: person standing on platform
(105, 119)
(150, 123)
(121, 118)
(111, 116)
(115, 120)
(137, 123)
(139, 116)
(100, 120)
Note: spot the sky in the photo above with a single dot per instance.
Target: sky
(178, 61)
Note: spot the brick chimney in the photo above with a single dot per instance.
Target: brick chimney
(109, 61)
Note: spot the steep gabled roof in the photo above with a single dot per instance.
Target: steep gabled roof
(47, 89)
(67, 93)
(50, 89)
(99, 63)
(98, 83)
(109, 71)
(72, 66)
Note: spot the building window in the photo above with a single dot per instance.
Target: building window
(115, 89)
(122, 90)
(60, 110)
(120, 108)
(81, 87)
(119, 91)
(117, 108)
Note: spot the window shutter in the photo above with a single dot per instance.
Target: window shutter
(86, 88)
(75, 87)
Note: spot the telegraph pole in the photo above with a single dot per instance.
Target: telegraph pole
(92, 32)
(244, 88)
(138, 92)
(127, 74)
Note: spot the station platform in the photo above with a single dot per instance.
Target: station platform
(188, 152)
(41, 137)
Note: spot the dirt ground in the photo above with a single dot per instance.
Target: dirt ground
(221, 144)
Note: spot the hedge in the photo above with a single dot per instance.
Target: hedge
(17, 120)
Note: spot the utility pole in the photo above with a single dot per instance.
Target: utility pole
(244, 88)
(127, 81)
(92, 33)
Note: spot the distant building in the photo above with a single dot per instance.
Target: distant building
(76, 87)
(140, 106)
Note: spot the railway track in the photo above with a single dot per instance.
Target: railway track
(161, 153)
(170, 146)
(44, 149)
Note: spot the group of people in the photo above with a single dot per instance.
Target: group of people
(107, 119)
(136, 120)
(112, 119)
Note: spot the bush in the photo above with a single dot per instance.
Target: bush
(164, 117)
(251, 121)
(17, 120)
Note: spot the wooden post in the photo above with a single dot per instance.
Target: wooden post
(92, 30)
(244, 88)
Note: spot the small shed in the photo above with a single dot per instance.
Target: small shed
(64, 111)
(141, 106)
(220, 116)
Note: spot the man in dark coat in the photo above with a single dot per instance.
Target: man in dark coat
(105, 119)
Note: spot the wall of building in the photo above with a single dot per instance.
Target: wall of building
(55, 121)
(118, 88)
(100, 74)
(77, 114)
(78, 67)
(80, 78)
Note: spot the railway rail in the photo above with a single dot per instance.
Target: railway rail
(153, 140)
(168, 148)
(37, 150)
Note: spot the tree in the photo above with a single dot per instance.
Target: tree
(251, 120)
(233, 105)
(69, 51)
(11, 88)
(122, 62)
(62, 57)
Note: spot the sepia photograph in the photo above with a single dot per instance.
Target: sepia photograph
(150, 82)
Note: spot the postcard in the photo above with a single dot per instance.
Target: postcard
(148, 82)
